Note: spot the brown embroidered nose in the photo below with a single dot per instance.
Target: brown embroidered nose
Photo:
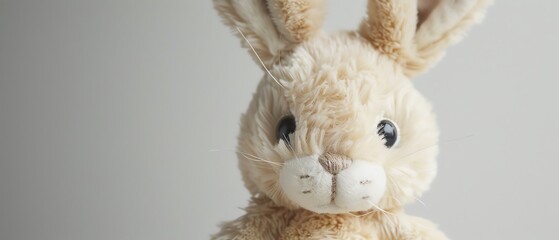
(334, 163)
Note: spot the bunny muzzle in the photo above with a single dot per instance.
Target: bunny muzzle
(333, 183)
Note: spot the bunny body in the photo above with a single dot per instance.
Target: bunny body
(265, 220)
(336, 139)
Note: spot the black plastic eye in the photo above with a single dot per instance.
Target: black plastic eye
(285, 127)
(388, 131)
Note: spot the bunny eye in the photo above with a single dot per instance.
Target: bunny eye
(286, 126)
(388, 131)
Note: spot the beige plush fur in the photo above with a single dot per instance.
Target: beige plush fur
(338, 87)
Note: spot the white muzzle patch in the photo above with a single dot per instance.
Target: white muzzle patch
(358, 187)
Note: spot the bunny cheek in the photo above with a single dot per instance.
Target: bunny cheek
(328, 188)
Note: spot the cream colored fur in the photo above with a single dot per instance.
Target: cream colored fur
(339, 87)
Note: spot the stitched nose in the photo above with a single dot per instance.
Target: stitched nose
(334, 163)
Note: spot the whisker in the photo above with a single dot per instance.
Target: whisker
(361, 215)
(390, 220)
(434, 145)
(260, 160)
(292, 150)
(378, 208)
(397, 200)
(259, 59)
(420, 150)
(396, 185)
(419, 200)
(388, 215)
(371, 212)
(251, 157)
(256, 157)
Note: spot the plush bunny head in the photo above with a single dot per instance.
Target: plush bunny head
(336, 125)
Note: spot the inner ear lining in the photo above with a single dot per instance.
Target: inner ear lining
(424, 10)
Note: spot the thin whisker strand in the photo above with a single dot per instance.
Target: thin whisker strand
(261, 160)
(419, 200)
(437, 143)
(251, 157)
(361, 215)
(292, 150)
(244, 153)
(259, 59)
(378, 208)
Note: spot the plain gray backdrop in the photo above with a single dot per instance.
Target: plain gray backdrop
(110, 111)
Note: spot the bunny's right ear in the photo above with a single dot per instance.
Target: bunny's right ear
(271, 26)
(416, 33)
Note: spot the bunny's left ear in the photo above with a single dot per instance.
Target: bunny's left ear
(271, 26)
(416, 33)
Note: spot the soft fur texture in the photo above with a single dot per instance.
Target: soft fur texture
(337, 179)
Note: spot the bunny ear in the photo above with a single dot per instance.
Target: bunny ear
(444, 23)
(417, 32)
(271, 26)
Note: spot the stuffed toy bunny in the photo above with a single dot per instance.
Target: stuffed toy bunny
(336, 139)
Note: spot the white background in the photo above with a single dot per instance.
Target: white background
(109, 111)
